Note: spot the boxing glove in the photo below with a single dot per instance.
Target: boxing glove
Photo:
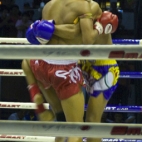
(31, 36)
(43, 30)
(107, 23)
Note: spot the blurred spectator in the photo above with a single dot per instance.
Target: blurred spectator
(31, 14)
(23, 24)
(8, 3)
(18, 115)
(138, 19)
(4, 20)
(118, 117)
(14, 16)
(38, 3)
(130, 119)
(105, 118)
(31, 116)
(27, 6)
(115, 11)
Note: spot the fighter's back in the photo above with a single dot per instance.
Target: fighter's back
(62, 11)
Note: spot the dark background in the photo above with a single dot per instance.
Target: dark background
(14, 89)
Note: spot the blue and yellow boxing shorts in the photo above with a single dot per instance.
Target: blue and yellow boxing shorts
(101, 76)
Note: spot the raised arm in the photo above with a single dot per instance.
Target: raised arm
(91, 28)
(67, 31)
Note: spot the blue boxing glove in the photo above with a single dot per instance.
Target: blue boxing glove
(31, 36)
(43, 30)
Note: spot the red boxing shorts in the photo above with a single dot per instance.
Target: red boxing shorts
(65, 79)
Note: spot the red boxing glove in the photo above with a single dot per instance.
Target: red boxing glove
(107, 23)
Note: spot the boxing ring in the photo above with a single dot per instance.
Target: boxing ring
(46, 131)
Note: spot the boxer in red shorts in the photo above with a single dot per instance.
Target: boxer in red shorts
(68, 12)
(63, 78)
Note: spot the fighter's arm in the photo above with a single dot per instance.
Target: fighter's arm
(105, 24)
(104, 39)
(67, 31)
(96, 10)
(86, 24)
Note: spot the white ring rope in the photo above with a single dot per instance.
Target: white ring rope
(28, 131)
(66, 51)
(19, 105)
(47, 139)
(115, 41)
(133, 52)
(14, 40)
(26, 138)
(68, 129)
(11, 72)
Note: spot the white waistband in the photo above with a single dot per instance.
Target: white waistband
(61, 62)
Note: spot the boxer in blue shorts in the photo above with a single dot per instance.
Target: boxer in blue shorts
(101, 77)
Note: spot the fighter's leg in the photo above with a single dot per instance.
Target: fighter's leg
(103, 82)
(74, 111)
(95, 110)
(53, 100)
(67, 82)
(36, 96)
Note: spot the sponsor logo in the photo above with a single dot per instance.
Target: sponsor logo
(5, 105)
(85, 53)
(116, 108)
(85, 128)
(118, 140)
(124, 130)
(123, 54)
(11, 73)
(11, 137)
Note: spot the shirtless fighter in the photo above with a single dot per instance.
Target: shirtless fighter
(72, 101)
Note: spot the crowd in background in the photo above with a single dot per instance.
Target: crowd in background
(14, 23)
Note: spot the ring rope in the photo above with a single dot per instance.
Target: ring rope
(19, 72)
(127, 41)
(71, 129)
(49, 139)
(118, 52)
(4, 137)
(19, 105)
(52, 137)
(115, 41)
(8, 137)
(14, 40)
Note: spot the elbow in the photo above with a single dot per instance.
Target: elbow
(91, 37)
(88, 40)
(73, 33)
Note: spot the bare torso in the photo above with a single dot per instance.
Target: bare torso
(63, 12)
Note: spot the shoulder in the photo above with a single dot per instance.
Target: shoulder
(13, 116)
(80, 6)
(46, 7)
(95, 8)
